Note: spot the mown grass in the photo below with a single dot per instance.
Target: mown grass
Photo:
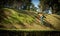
(17, 16)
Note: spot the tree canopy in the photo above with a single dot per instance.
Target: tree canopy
(54, 4)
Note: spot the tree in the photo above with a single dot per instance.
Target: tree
(33, 8)
(22, 4)
(54, 4)
(27, 4)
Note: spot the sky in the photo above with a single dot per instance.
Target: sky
(35, 2)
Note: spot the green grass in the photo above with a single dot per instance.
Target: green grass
(17, 16)
(19, 19)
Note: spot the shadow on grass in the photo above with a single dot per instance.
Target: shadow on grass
(47, 24)
(57, 17)
(1, 26)
(2, 15)
(18, 21)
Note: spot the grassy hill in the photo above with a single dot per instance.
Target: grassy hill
(18, 19)
(54, 20)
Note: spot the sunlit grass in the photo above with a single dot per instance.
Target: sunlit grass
(23, 19)
(53, 19)
(15, 16)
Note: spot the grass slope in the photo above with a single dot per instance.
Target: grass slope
(54, 20)
(16, 19)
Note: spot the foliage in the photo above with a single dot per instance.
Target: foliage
(18, 4)
(33, 8)
(54, 4)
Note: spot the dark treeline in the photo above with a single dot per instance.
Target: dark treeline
(54, 4)
(18, 4)
(25, 4)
